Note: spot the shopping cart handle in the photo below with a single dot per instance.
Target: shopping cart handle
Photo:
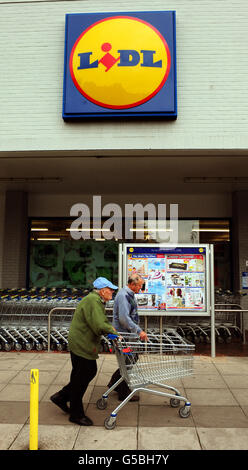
(127, 351)
(112, 336)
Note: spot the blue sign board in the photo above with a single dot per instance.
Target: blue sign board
(120, 64)
(154, 251)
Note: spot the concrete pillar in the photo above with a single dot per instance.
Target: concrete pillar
(2, 211)
(240, 244)
(15, 240)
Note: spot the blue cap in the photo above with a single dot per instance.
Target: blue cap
(102, 282)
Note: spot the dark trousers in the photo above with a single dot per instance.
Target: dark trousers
(83, 371)
(122, 389)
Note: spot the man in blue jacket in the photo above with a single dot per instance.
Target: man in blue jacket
(126, 319)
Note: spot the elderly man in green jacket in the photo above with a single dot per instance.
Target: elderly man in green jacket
(88, 324)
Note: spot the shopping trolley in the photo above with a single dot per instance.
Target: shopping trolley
(142, 364)
(24, 318)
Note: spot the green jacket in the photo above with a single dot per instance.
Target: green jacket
(89, 322)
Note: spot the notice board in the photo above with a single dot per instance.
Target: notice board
(176, 278)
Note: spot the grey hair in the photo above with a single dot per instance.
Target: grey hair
(134, 278)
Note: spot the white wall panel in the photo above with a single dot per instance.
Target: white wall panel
(212, 66)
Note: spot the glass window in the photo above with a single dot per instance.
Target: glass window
(58, 260)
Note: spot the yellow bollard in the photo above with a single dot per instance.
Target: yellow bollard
(34, 409)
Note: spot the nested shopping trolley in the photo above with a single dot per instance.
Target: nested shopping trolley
(152, 363)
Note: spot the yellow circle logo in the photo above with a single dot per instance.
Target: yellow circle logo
(120, 62)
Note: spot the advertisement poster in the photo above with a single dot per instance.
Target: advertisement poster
(173, 280)
(245, 280)
(71, 263)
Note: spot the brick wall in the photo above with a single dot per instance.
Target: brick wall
(212, 65)
(2, 212)
(15, 239)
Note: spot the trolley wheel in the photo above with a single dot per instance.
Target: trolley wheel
(7, 347)
(38, 347)
(28, 346)
(109, 425)
(59, 347)
(101, 404)
(174, 402)
(184, 412)
(18, 347)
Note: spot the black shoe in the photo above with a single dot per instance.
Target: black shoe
(110, 384)
(85, 421)
(57, 400)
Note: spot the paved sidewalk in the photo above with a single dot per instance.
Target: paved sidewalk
(218, 392)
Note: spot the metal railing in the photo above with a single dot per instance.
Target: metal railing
(52, 313)
(230, 311)
(220, 323)
(27, 329)
(49, 322)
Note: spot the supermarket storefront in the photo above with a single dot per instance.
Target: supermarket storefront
(56, 259)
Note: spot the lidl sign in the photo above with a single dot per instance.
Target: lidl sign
(120, 64)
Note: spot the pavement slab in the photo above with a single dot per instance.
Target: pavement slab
(218, 391)
(211, 397)
(7, 375)
(233, 368)
(8, 433)
(219, 417)
(12, 412)
(236, 381)
(20, 392)
(98, 438)
(45, 377)
(49, 438)
(169, 438)
(127, 416)
(162, 416)
(241, 395)
(223, 439)
(204, 381)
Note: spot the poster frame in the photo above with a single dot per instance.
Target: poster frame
(123, 270)
(210, 293)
